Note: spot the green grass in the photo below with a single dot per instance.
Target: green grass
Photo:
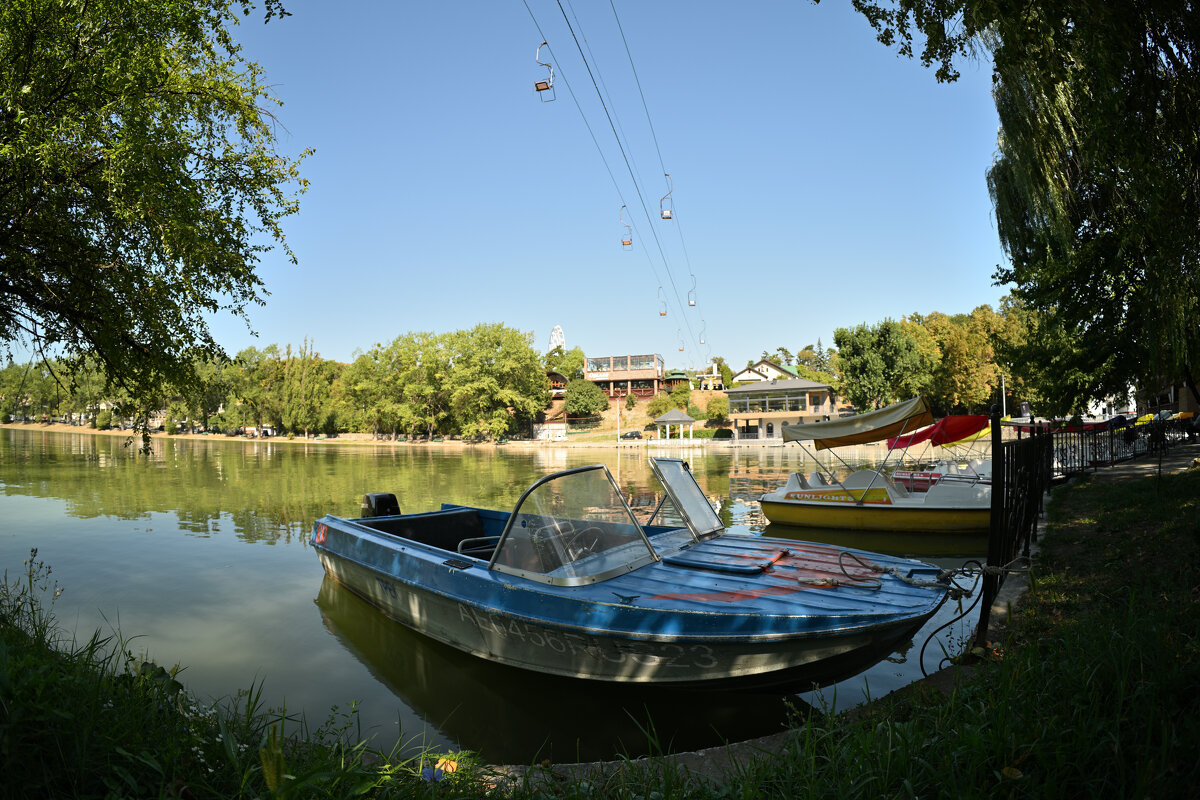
(91, 719)
(1093, 693)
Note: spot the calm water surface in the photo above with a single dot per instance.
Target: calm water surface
(200, 550)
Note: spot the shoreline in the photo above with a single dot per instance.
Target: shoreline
(452, 444)
(344, 439)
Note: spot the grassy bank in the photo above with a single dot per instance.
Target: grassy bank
(1092, 693)
(91, 719)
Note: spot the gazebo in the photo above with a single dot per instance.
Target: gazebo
(674, 417)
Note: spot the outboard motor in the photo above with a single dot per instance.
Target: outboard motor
(380, 504)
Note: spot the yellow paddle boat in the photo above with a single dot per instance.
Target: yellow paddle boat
(868, 499)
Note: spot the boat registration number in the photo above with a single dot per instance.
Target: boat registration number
(661, 654)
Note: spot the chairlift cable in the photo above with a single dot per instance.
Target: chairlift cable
(595, 142)
(604, 86)
(628, 166)
(620, 145)
(638, 81)
(650, 123)
(620, 129)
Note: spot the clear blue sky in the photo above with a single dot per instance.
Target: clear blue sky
(820, 180)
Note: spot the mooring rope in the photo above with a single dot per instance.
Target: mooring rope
(944, 580)
(976, 570)
(970, 569)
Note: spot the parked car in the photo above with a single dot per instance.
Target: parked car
(631, 435)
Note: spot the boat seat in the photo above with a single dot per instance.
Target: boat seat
(440, 529)
(479, 547)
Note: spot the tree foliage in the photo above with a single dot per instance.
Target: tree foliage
(584, 399)
(817, 363)
(881, 364)
(717, 408)
(497, 384)
(1097, 189)
(568, 363)
(484, 382)
(959, 348)
(306, 390)
(817, 358)
(660, 404)
(681, 395)
(139, 183)
(1096, 185)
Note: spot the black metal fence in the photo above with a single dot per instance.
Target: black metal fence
(1079, 449)
(1024, 468)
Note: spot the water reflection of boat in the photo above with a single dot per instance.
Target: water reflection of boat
(571, 584)
(514, 716)
(921, 544)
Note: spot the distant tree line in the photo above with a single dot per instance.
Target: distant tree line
(486, 382)
(959, 362)
(954, 360)
(489, 382)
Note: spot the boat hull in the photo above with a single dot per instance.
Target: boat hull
(773, 661)
(869, 500)
(571, 584)
(877, 518)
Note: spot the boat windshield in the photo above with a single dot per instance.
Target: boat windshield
(687, 499)
(571, 528)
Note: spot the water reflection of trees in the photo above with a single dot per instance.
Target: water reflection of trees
(266, 491)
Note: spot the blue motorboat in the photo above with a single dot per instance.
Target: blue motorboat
(572, 583)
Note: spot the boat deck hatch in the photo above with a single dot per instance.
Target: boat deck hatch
(739, 568)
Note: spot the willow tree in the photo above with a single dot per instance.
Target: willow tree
(140, 182)
(1096, 185)
(1097, 192)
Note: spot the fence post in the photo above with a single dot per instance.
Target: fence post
(996, 531)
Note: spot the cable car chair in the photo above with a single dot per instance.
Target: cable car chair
(692, 291)
(679, 333)
(666, 205)
(627, 239)
(544, 88)
(662, 303)
(703, 325)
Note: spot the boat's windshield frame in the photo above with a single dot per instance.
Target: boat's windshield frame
(634, 551)
(689, 499)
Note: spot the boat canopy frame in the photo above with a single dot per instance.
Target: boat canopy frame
(952, 432)
(871, 426)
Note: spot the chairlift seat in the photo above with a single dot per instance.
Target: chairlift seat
(541, 86)
(666, 213)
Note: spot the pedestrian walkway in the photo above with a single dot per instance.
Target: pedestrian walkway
(1176, 459)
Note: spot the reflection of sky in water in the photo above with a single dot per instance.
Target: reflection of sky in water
(200, 552)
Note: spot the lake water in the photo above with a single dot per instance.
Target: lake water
(200, 550)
